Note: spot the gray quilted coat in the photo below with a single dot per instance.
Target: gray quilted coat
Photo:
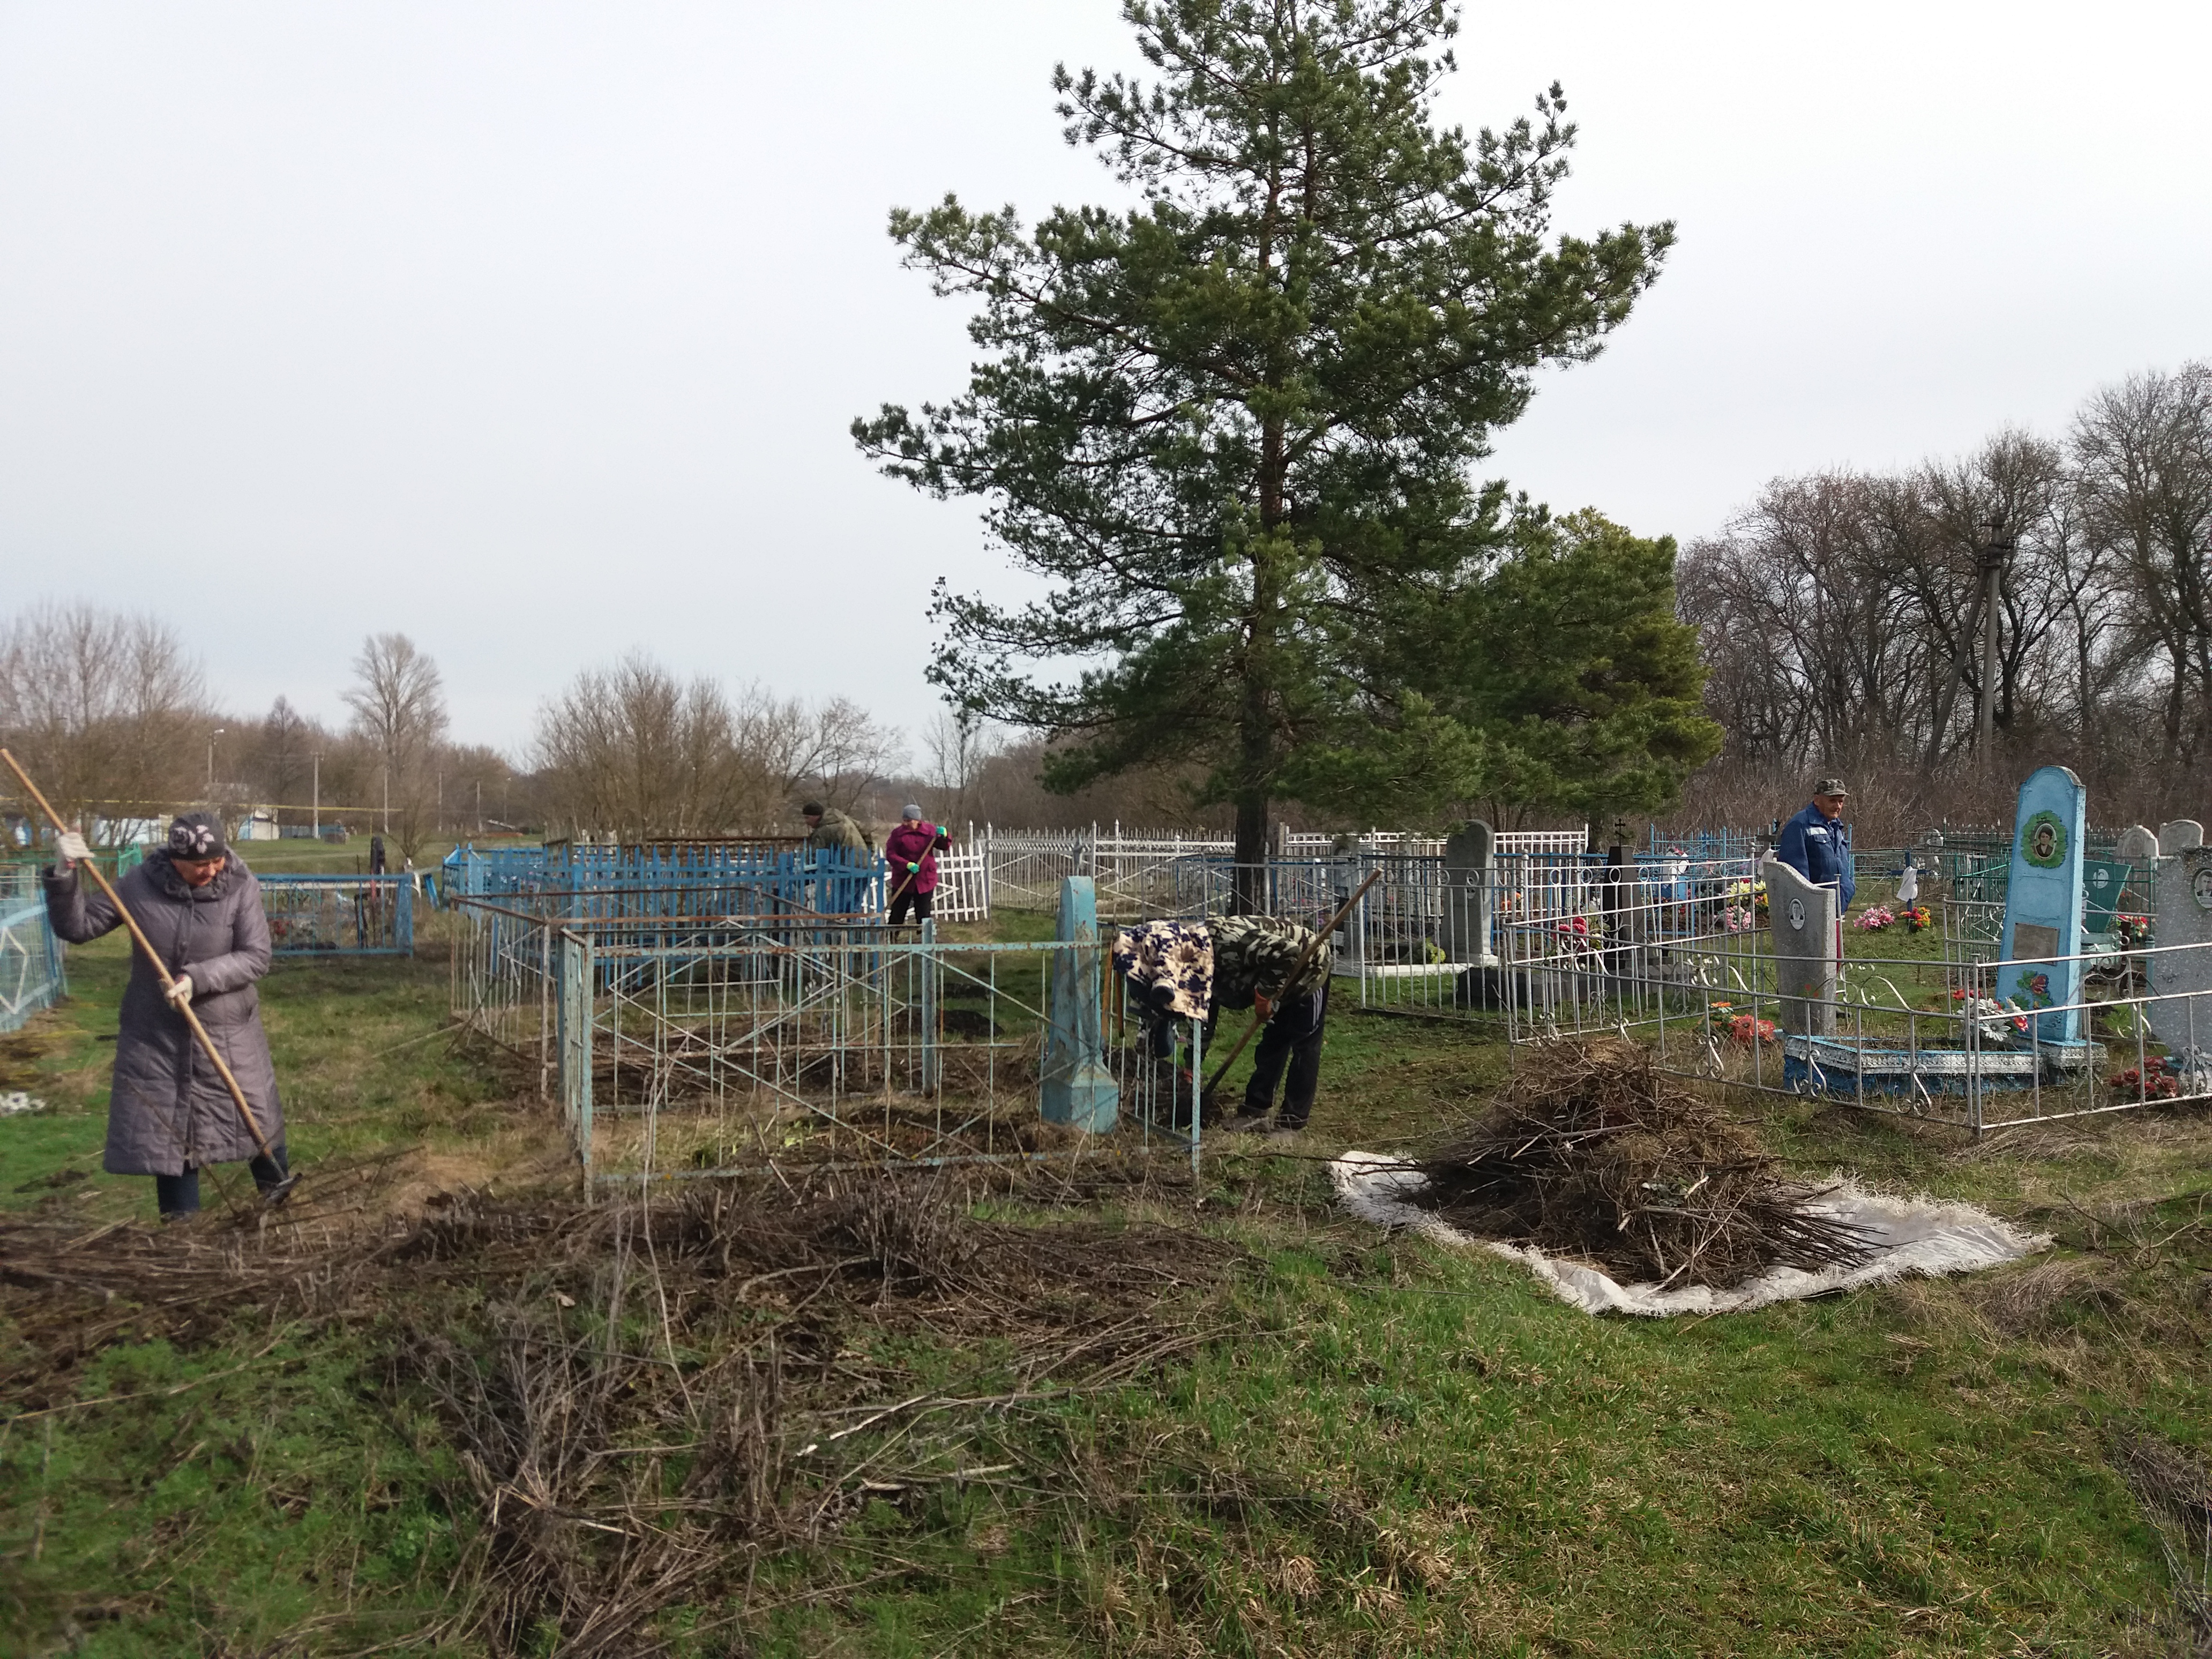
(169, 1108)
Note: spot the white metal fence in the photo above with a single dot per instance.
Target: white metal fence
(1164, 871)
(1677, 954)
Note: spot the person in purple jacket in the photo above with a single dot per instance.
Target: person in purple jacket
(911, 852)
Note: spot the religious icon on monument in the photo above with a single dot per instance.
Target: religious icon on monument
(2043, 841)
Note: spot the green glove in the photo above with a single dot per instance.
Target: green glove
(914, 869)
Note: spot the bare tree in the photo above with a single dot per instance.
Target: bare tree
(399, 705)
(280, 760)
(479, 779)
(959, 746)
(631, 752)
(786, 747)
(106, 710)
(2144, 452)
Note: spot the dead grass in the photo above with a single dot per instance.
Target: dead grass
(642, 1401)
(1594, 1153)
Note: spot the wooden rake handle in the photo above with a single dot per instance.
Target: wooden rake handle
(160, 968)
(1290, 979)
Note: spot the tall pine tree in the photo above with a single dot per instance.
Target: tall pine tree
(1233, 427)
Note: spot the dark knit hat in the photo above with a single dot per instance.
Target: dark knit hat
(811, 809)
(196, 835)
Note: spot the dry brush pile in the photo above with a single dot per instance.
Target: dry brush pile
(1593, 1154)
(642, 1404)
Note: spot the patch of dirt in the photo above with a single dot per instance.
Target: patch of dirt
(22, 1051)
(421, 1181)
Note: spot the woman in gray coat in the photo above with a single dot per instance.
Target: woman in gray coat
(169, 1114)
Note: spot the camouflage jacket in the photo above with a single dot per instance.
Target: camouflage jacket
(837, 833)
(1255, 954)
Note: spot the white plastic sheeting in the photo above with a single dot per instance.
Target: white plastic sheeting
(1914, 1235)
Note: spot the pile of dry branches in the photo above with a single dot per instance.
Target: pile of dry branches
(1593, 1154)
(644, 1400)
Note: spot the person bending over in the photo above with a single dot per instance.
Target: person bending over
(1175, 969)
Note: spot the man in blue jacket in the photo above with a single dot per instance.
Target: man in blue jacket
(1817, 844)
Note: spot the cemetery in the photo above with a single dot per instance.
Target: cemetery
(915, 905)
(697, 1008)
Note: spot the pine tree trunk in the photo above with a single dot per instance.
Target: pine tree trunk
(1251, 887)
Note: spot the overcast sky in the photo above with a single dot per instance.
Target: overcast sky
(534, 330)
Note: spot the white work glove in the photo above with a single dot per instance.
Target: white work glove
(181, 991)
(70, 847)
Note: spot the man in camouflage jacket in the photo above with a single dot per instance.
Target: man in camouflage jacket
(829, 831)
(1241, 962)
(1253, 956)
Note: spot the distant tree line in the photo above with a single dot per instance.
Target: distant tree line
(112, 714)
(1841, 622)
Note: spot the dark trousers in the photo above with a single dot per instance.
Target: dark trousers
(179, 1194)
(1293, 1035)
(917, 902)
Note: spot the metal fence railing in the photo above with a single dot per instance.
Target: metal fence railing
(677, 1047)
(1681, 959)
(31, 971)
(339, 915)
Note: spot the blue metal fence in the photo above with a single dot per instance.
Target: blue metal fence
(685, 880)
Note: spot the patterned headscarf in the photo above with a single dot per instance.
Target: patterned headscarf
(196, 835)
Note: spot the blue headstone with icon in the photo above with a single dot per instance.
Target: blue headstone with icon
(2044, 898)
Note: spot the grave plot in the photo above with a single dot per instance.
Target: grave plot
(2029, 1014)
(681, 1048)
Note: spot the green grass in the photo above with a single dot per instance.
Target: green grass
(1391, 1447)
(231, 1500)
(362, 1065)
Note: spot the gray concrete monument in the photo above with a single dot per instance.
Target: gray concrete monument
(2185, 975)
(1470, 880)
(2180, 837)
(2137, 845)
(1802, 918)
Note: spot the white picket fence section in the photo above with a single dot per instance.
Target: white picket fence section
(1156, 871)
(963, 887)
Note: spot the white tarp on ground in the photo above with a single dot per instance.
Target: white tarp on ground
(1914, 1235)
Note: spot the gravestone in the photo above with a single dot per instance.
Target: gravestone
(2185, 920)
(2103, 883)
(2180, 837)
(2138, 845)
(2043, 896)
(1470, 878)
(1078, 1090)
(1802, 917)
